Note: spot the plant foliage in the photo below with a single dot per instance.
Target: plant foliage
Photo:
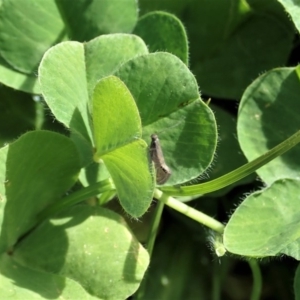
(85, 85)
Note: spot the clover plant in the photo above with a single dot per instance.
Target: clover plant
(84, 86)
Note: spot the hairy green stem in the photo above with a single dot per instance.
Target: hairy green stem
(189, 211)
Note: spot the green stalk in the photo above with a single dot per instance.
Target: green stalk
(40, 115)
(154, 227)
(76, 197)
(236, 175)
(190, 212)
(216, 281)
(257, 280)
(150, 244)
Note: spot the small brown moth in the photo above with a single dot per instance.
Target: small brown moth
(163, 172)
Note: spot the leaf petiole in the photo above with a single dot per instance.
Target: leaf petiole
(76, 197)
(189, 211)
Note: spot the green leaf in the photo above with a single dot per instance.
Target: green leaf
(27, 29)
(70, 70)
(272, 95)
(63, 81)
(163, 32)
(117, 133)
(266, 223)
(17, 80)
(114, 126)
(40, 167)
(160, 84)
(19, 282)
(132, 174)
(167, 97)
(188, 139)
(230, 40)
(106, 53)
(90, 245)
(292, 7)
(94, 172)
(87, 20)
